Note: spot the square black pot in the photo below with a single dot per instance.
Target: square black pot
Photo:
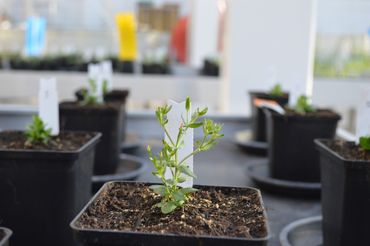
(90, 237)
(106, 119)
(4, 241)
(345, 198)
(291, 149)
(258, 117)
(42, 190)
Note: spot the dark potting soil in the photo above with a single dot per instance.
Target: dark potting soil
(349, 150)
(65, 141)
(211, 211)
(320, 113)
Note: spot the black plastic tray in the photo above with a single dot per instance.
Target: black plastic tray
(303, 232)
(129, 168)
(5, 240)
(258, 172)
(243, 140)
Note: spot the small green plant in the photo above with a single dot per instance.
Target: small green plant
(303, 106)
(277, 91)
(37, 132)
(365, 142)
(89, 97)
(172, 195)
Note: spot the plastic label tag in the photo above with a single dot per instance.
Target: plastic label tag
(48, 104)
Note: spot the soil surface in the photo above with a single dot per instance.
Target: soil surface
(349, 150)
(227, 212)
(320, 113)
(80, 105)
(66, 141)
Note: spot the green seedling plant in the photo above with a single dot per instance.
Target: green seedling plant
(365, 142)
(303, 106)
(276, 91)
(89, 97)
(174, 196)
(37, 132)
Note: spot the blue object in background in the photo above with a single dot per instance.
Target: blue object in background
(35, 35)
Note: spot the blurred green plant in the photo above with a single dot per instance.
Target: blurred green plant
(303, 106)
(37, 132)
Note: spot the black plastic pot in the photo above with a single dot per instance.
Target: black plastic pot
(345, 198)
(210, 68)
(41, 191)
(89, 237)
(104, 118)
(155, 68)
(292, 154)
(4, 240)
(258, 117)
(114, 96)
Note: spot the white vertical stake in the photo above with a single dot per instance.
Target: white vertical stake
(175, 116)
(95, 73)
(107, 70)
(48, 104)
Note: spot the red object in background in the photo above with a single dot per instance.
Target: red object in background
(179, 40)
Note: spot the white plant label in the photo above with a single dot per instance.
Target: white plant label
(95, 74)
(363, 115)
(107, 71)
(175, 116)
(48, 104)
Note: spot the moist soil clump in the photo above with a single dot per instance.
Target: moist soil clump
(349, 150)
(65, 141)
(212, 211)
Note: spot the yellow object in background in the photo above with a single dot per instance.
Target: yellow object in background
(127, 36)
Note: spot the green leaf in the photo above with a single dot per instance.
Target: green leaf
(277, 90)
(195, 125)
(181, 179)
(179, 196)
(168, 207)
(159, 189)
(187, 104)
(365, 142)
(302, 105)
(186, 170)
(188, 190)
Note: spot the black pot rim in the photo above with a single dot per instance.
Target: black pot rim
(321, 145)
(70, 154)
(8, 234)
(74, 227)
(297, 117)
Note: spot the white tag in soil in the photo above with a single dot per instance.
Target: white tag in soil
(363, 115)
(106, 67)
(95, 74)
(175, 116)
(48, 104)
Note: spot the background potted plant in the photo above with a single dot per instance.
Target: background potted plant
(292, 155)
(345, 195)
(91, 114)
(44, 181)
(277, 95)
(5, 234)
(168, 214)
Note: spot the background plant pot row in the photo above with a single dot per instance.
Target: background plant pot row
(258, 116)
(291, 149)
(42, 190)
(155, 68)
(345, 197)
